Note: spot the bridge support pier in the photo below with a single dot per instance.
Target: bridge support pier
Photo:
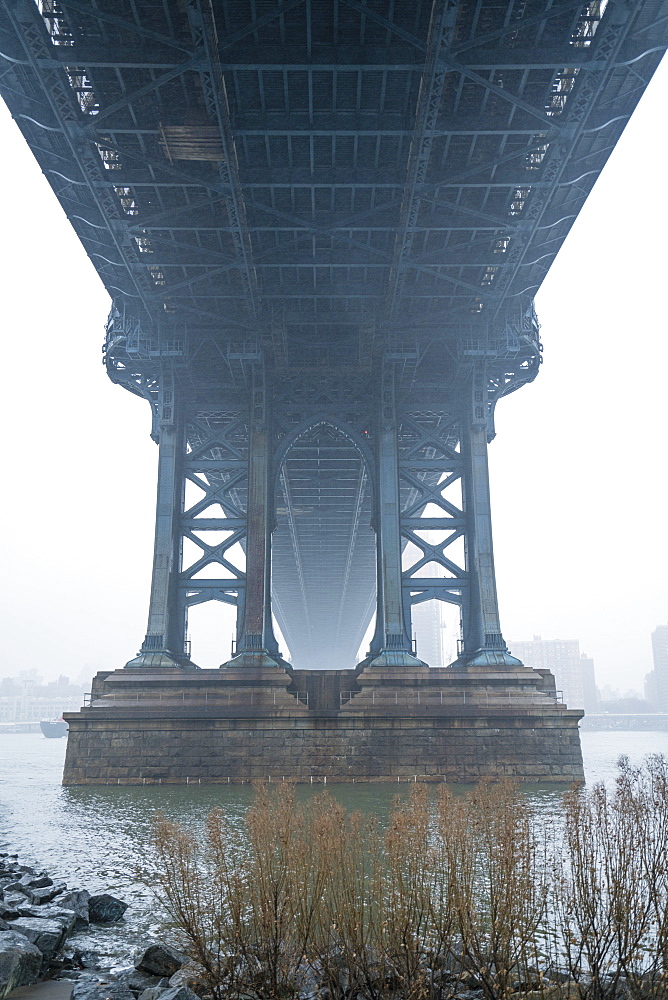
(391, 645)
(165, 642)
(257, 646)
(483, 643)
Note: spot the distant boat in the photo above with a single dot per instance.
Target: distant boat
(53, 729)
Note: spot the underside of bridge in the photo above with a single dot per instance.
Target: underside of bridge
(323, 545)
(322, 224)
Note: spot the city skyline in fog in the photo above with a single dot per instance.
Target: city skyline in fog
(578, 466)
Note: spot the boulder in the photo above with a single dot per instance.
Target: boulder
(17, 888)
(7, 912)
(85, 959)
(36, 881)
(179, 993)
(4, 926)
(47, 935)
(66, 918)
(161, 960)
(45, 895)
(94, 989)
(190, 975)
(152, 993)
(20, 961)
(77, 900)
(105, 909)
(15, 899)
(138, 981)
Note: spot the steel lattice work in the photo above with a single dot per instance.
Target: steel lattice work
(322, 224)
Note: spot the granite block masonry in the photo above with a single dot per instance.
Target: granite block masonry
(175, 726)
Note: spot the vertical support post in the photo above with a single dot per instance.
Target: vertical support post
(256, 642)
(481, 626)
(391, 644)
(164, 644)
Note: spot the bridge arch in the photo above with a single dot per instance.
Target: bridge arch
(323, 546)
(356, 437)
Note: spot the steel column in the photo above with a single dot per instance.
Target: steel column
(165, 641)
(483, 642)
(256, 642)
(391, 644)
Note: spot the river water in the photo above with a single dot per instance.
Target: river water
(96, 838)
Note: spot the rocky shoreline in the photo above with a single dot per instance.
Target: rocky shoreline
(37, 918)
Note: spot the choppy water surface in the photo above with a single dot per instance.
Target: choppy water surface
(96, 838)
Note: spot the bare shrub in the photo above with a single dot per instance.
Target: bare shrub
(468, 891)
(499, 887)
(611, 889)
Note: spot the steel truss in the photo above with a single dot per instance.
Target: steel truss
(322, 227)
(422, 471)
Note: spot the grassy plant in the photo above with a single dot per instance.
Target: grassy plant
(468, 891)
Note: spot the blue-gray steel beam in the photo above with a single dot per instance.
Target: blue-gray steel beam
(202, 25)
(481, 626)
(392, 642)
(128, 27)
(31, 31)
(342, 58)
(164, 644)
(256, 642)
(446, 61)
(428, 107)
(606, 45)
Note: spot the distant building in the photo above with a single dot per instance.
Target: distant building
(590, 697)
(660, 655)
(428, 630)
(562, 657)
(27, 698)
(651, 691)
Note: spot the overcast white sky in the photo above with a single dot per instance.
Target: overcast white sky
(579, 471)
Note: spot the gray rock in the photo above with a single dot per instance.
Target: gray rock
(20, 961)
(47, 935)
(161, 960)
(36, 881)
(189, 975)
(16, 899)
(8, 912)
(85, 959)
(16, 888)
(66, 918)
(77, 900)
(94, 989)
(45, 895)
(138, 981)
(105, 909)
(4, 926)
(179, 993)
(152, 993)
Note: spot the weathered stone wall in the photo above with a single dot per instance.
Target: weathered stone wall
(133, 747)
(176, 726)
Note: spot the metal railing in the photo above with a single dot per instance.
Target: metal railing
(429, 697)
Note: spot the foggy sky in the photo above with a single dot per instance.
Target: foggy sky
(579, 471)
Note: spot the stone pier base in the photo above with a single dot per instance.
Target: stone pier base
(218, 726)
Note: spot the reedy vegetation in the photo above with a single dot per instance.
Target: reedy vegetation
(477, 891)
